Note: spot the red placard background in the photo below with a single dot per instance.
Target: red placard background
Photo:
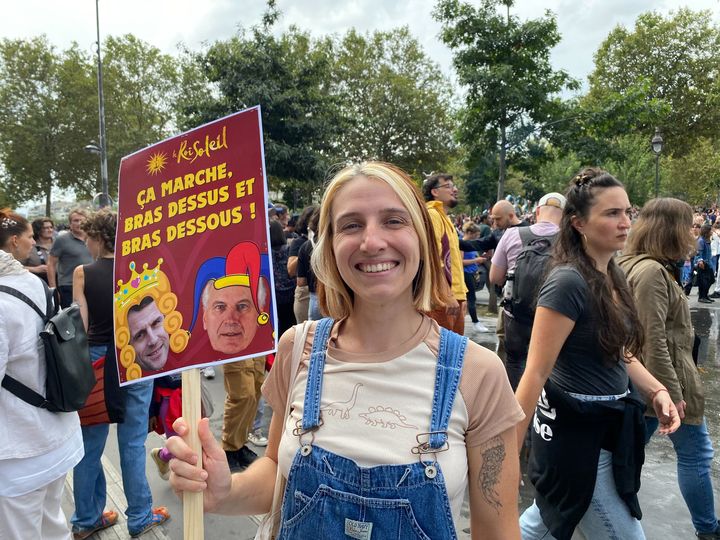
(183, 202)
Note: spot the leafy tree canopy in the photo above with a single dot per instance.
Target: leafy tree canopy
(673, 60)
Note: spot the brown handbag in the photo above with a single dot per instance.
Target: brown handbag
(95, 410)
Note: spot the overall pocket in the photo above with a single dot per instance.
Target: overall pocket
(330, 513)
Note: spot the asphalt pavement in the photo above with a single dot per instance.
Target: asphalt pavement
(665, 514)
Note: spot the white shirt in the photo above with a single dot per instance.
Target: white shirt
(36, 446)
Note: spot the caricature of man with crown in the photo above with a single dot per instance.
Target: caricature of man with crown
(235, 299)
(147, 325)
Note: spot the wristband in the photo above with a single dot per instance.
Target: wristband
(656, 392)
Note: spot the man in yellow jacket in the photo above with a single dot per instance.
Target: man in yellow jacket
(441, 195)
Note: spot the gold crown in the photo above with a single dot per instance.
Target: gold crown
(137, 283)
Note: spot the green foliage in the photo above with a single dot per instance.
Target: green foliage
(49, 112)
(289, 77)
(671, 61)
(394, 101)
(505, 65)
(557, 172)
(694, 177)
(140, 87)
(42, 128)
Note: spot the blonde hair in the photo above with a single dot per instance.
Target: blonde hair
(662, 231)
(430, 289)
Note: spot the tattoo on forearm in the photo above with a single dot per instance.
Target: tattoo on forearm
(493, 456)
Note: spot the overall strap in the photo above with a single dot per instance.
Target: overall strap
(313, 390)
(447, 380)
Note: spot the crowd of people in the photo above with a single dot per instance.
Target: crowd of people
(383, 414)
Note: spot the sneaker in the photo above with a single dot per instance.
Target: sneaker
(716, 294)
(240, 459)
(257, 438)
(480, 327)
(706, 301)
(208, 372)
(162, 465)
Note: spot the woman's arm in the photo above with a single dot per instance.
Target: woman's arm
(246, 493)
(79, 294)
(493, 477)
(649, 386)
(292, 266)
(52, 271)
(550, 330)
(39, 269)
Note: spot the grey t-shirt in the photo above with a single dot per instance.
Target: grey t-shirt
(71, 253)
(580, 366)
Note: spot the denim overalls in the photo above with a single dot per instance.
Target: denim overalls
(331, 497)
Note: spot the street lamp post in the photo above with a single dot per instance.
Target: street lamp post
(105, 199)
(657, 146)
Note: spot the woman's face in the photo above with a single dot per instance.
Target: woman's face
(606, 226)
(377, 249)
(47, 230)
(23, 243)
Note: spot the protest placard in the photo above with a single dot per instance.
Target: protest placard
(192, 271)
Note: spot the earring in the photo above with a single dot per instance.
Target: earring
(263, 318)
(584, 238)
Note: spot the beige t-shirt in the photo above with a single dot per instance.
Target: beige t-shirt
(374, 405)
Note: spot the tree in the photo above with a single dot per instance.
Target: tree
(674, 60)
(505, 64)
(394, 101)
(694, 177)
(41, 134)
(290, 77)
(48, 112)
(141, 87)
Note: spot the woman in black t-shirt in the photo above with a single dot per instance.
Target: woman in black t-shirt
(587, 436)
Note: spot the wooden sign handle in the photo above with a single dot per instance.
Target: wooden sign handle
(192, 501)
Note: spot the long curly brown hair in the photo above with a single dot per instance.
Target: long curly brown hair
(620, 333)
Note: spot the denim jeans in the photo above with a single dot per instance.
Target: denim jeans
(314, 308)
(607, 517)
(694, 458)
(89, 487)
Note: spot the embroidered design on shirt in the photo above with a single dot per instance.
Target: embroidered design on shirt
(342, 407)
(385, 418)
(362, 530)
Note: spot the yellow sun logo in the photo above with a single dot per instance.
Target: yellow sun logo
(156, 163)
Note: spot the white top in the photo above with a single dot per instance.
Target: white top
(715, 244)
(374, 405)
(36, 446)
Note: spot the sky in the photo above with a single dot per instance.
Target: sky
(583, 24)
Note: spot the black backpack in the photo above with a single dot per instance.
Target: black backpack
(70, 375)
(529, 271)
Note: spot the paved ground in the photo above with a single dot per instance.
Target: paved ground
(665, 514)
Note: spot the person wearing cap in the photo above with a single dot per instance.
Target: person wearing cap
(235, 299)
(548, 213)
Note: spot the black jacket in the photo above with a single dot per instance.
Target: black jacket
(567, 436)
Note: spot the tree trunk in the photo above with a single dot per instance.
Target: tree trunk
(48, 196)
(501, 176)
